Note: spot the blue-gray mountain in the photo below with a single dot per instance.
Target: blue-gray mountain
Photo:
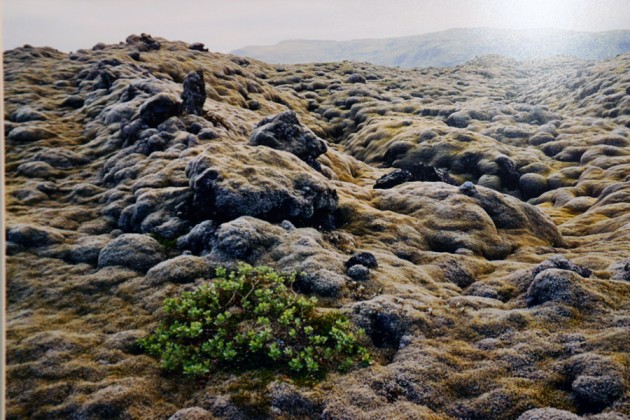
(448, 48)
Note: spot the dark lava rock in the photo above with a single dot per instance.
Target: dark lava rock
(159, 108)
(555, 285)
(366, 259)
(390, 180)
(29, 133)
(26, 113)
(37, 169)
(242, 239)
(199, 239)
(427, 173)
(32, 235)
(414, 172)
(138, 252)
(307, 202)
(356, 78)
(198, 46)
(194, 94)
(129, 132)
(286, 398)
(562, 263)
(126, 341)
(468, 188)
(284, 132)
(59, 157)
(324, 283)
(359, 272)
(507, 171)
(597, 392)
(207, 134)
(87, 249)
(596, 381)
(143, 43)
(73, 101)
(532, 185)
(383, 321)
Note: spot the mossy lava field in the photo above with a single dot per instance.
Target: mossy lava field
(474, 221)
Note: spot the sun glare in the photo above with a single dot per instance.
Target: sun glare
(538, 14)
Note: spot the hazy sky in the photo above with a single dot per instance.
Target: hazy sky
(224, 25)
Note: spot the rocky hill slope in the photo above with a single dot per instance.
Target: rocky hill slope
(494, 196)
(448, 48)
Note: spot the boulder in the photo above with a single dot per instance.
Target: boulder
(198, 46)
(181, 269)
(271, 193)
(143, 42)
(359, 272)
(87, 249)
(26, 113)
(284, 132)
(194, 94)
(562, 263)
(596, 381)
(73, 101)
(390, 180)
(244, 239)
(29, 133)
(159, 108)
(138, 252)
(555, 285)
(366, 259)
(383, 320)
(33, 236)
(356, 78)
(532, 185)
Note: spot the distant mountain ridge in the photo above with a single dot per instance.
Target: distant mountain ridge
(447, 48)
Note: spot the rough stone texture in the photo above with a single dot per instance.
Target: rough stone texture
(199, 239)
(562, 263)
(159, 108)
(359, 272)
(390, 180)
(596, 381)
(555, 285)
(138, 252)
(366, 259)
(181, 269)
(284, 132)
(222, 194)
(194, 94)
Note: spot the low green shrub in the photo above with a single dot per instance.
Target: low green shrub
(250, 318)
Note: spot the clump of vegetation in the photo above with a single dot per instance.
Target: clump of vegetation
(252, 318)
